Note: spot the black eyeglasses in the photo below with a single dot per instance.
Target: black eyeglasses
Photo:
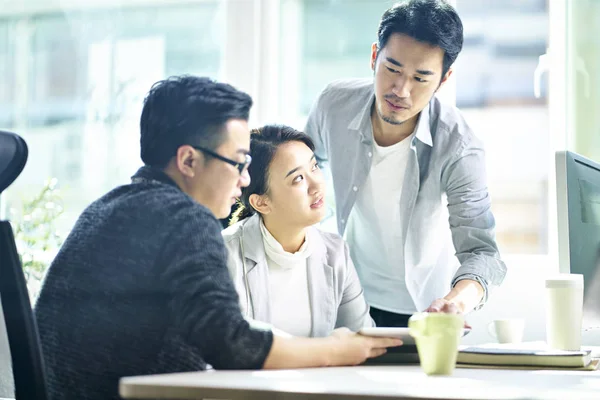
(241, 166)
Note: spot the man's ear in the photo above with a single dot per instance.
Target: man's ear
(445, 78)
(186, 159)
(260, 203)
(374, 51)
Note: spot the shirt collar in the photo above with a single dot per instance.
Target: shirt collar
(152, 174)
(362, 123)
(254, 248)
(275, 252)
(423, 131)
(251, 236)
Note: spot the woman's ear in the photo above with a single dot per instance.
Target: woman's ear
(260, 203)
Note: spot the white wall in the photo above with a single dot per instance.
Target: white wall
(520, 296)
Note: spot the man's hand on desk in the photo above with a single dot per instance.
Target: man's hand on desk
(445, 306)
(463, 297)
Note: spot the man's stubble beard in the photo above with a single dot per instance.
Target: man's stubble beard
(388, 119)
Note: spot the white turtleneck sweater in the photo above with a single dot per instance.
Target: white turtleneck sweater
(288, 285)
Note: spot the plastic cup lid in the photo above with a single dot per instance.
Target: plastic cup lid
(565, 281)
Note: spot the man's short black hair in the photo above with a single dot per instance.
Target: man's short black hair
(429, 21)
(187, 110)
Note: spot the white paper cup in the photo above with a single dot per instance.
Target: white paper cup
(507, 330)
(564, 311)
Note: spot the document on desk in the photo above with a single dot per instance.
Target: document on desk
(535, 354)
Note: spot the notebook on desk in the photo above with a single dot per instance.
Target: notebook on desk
(592, 366)
(525, 354)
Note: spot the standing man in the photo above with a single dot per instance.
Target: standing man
(395, 152)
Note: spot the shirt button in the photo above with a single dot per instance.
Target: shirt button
(343, 221)
(355, 188)
(370, 154)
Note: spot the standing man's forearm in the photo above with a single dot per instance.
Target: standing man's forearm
(466, 295)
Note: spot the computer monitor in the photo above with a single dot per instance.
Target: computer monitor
(578, 203)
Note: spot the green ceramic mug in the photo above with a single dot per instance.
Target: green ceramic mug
(437, 336)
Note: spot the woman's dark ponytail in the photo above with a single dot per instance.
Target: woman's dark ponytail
(241, 212)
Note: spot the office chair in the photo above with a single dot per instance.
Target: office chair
(21, 329)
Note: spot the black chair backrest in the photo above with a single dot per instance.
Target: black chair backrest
(7, 380)
(21, 329)
(13, 156)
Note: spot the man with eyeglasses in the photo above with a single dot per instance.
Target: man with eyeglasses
(241, 166)
(141, 284)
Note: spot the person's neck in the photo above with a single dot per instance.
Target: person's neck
(171, 171)
(386, 134)
(289, 238)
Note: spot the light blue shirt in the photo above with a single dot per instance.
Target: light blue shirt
(446, 161)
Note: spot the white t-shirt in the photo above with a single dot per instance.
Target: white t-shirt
(288, 285)
(374, 231)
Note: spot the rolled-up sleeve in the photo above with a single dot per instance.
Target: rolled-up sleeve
(471, 220)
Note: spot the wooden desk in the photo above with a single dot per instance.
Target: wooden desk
(365, 382)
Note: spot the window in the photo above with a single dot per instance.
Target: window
(321, 41)
(80, 74)
(6, 69)
(495, 92)
(85, 72)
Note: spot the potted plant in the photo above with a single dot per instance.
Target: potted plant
(34, 226)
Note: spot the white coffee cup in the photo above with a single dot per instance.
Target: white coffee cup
(507, 330)
(564, 311)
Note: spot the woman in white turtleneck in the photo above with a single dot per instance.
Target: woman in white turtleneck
(287, 272)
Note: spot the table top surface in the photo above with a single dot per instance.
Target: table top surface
(366, 382)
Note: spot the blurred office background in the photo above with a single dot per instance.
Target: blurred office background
(75, 73)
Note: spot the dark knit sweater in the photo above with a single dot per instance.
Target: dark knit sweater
(139, 287)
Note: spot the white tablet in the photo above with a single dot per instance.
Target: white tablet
(401, 333)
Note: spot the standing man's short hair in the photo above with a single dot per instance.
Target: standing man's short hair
(187, 110)
(430, 21)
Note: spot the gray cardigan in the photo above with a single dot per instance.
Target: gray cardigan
(335, 294)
